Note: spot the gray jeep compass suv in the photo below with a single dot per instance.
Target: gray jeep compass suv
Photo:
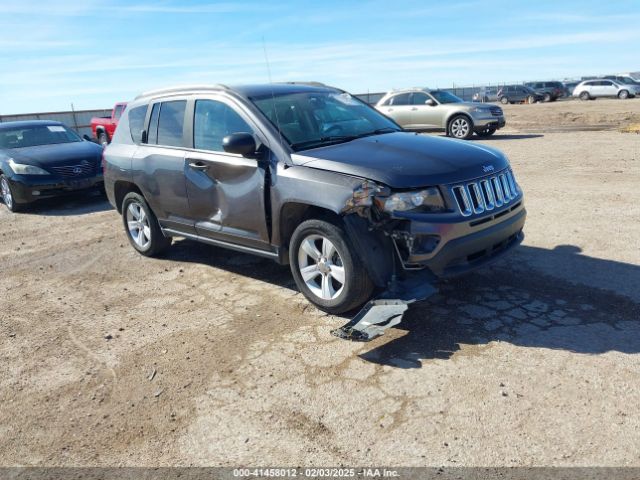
(312, 177)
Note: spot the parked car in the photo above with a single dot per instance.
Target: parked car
(622, 79)
(424, 109)
(592, 89)
(103, 128)
(486, 94)
(41, 159)
(518, 94)
(312, 177)
(569, 87)
(550, 91)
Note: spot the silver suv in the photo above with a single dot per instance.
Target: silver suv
(592, 89)
(424, 109)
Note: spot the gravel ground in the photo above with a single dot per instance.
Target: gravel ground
(208, 357)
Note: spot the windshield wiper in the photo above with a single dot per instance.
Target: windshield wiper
(328, 140)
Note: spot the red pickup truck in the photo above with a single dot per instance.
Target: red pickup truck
(103, 127)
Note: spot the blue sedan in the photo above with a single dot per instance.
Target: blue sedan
(41, 159)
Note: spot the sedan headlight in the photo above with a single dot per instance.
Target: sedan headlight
(428, 200)
(481, 110)
(22, 169)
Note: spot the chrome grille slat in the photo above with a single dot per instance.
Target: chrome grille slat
(70, 170)
(485, 194)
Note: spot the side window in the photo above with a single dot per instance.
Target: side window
(607, 84)
(419, 98)
(136, 122)
(152, 136)
(118, 112)
(402, 99)
(170, 123)
(212, 122)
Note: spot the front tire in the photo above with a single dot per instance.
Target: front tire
(547, 98)
(585, 96)
(142, 227)
(486, 132)
(623, 94)
(7, 195)
(531, 99)
(504, 100)
(327, 268)
(460, 127)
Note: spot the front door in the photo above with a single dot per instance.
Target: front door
(226, 191)
(423, 115)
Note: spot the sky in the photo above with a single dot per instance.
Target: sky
(93, 53)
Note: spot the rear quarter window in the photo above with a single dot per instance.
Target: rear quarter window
(136, 122)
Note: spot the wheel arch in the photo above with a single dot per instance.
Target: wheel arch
(120, 189)
(294, 213)
(452, 116)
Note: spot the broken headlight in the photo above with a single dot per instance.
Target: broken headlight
(427, 200)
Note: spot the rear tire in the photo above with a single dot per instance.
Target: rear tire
(531, 99)
(547, 98)
(460, 127)
(327, 268)
(585, 96)
(8, 197)
(504, 100)
(142, 227)
(623, 94)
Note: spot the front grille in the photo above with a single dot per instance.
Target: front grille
(496, 111)
(79, 170)
(485, 194)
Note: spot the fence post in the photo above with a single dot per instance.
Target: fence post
(75, 120)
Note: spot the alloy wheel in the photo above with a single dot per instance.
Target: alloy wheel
(138, 225)
(7, 197)
(321, 267)
(460, 128)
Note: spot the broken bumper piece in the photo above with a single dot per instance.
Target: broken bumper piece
(387, 310)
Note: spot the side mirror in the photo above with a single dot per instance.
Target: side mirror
(430, 102)
(241, 143)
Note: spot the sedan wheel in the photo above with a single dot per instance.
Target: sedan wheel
(623, 94)
(504, 100)
(7, 195)
(584, 96)
(460, 127)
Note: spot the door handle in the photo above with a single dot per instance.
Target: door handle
(198, 165)
(414, 109)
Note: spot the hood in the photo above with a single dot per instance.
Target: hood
(57, 154)
(406, 160)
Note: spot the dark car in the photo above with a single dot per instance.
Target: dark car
(550, 91)
(518, 94)
(312, 177)
(40, 159)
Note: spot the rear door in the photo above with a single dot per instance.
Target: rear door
(398, 107)
(609, 89)
(158, 165)
(226, 191)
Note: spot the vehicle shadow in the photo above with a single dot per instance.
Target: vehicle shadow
(555, 299)
(507, 136)
(252, 266)
(69, 205)
(524, 305)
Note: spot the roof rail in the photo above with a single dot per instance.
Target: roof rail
(181, 88)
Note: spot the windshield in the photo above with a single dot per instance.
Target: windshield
(311, 119)
(36, 135)
(445, 97)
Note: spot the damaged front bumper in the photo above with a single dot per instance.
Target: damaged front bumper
(452, 248)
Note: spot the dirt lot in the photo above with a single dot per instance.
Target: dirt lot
(534, 361)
